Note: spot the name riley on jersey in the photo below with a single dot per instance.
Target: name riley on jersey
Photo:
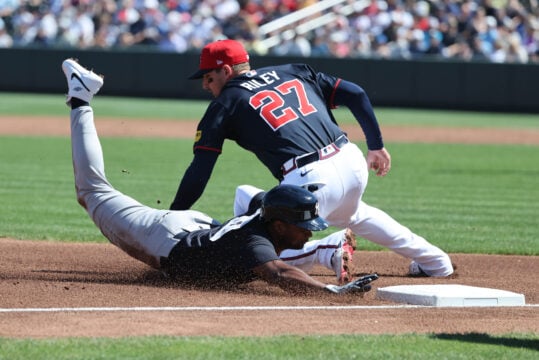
(268, 78)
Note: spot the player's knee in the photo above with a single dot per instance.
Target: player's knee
(247, 200)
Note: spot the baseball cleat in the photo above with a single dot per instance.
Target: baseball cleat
(415, 270)
(342, 258)
(82, 83)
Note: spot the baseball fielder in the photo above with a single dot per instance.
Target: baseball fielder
(283, 115)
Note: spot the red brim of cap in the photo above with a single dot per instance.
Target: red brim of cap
(199, 74)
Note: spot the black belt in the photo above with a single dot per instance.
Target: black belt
(324, 153)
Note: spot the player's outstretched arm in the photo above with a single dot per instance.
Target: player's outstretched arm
(296, 281)
(194, 180)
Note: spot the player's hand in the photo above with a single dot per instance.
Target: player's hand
(379, 161)
(360, 285)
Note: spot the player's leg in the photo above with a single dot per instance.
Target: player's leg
(87, 154)
(377, 226)
(343, 179)
(133, 227)
(247, 200)
(371, 223)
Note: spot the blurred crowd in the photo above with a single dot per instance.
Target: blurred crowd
(489, 30)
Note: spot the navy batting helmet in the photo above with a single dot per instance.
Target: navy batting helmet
(294, 205)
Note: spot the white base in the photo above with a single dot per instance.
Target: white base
(449, 295)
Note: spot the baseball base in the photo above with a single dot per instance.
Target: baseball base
(449, 295)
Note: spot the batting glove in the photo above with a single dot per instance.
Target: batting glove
(360, 285)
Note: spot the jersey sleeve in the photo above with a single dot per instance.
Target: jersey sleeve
(194, 180)
(211, 130)
(261, 251)
(355, 98)
(328, 84)
(342, 92)
(207, 147)
(255, 247)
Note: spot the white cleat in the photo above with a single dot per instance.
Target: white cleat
(82, 83)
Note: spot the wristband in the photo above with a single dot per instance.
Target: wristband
(332, 288)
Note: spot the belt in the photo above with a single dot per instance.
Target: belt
(324, 153)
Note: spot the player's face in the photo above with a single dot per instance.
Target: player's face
(295, 236)
(214, 81)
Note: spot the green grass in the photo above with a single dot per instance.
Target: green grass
(146, 109)
(386, 347)
(465, 198)
(38, 189)
(425, 117)
(171, 109)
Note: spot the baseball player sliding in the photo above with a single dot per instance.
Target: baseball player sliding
(283, 115)
(189, 244)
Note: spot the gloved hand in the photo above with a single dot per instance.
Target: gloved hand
(360, 285)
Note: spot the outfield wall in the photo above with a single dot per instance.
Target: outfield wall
(423, 84)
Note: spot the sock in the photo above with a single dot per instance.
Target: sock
(76, 102)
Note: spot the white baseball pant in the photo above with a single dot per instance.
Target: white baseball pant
(339, 183)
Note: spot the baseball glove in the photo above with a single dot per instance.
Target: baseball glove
(360, 285)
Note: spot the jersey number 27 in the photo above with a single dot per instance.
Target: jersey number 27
(273, 107)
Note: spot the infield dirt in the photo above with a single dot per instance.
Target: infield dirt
(41, 274)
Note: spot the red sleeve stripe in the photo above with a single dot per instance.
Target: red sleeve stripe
(207, 149)
(332, 97)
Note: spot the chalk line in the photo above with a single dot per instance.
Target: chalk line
(221, 308)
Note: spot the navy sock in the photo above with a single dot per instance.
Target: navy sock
(76, 102)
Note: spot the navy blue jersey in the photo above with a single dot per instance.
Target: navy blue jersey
(226, 252)
(276, 112)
